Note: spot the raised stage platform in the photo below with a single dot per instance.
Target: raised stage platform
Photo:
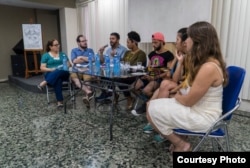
(29, 84)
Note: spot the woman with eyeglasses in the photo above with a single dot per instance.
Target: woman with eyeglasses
(52, 66)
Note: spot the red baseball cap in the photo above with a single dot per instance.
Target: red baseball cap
(158, 36)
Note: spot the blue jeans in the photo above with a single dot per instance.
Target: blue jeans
(55, 79)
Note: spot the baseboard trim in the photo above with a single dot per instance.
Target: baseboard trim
(4, 80)
(244, 106)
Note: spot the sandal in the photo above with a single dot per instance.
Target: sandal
(41, 88)
(59, 105)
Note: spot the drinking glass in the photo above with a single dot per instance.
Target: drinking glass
(127, 66)
(139, 65)
(122, 65)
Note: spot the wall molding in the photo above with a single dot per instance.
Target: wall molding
(244, 106)
(80, 3)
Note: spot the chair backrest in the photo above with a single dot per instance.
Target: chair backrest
(231, 91)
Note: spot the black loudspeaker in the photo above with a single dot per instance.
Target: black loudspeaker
(18, 64)
(19, 48)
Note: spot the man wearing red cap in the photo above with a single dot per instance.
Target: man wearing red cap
(159, 59)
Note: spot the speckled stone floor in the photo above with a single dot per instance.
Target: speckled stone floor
(37, 135)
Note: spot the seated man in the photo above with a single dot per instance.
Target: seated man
(115, 49)
(168, 88)
(79, 55)
(132, 56)
(159, 59)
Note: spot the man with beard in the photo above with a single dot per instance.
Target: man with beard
(80, 55)
(115, 49)
(159, 66)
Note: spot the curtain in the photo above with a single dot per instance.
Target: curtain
(231, 19)
(99, 18)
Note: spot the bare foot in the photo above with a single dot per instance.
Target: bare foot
(43, 83)
(59, 104)
(183, 146)
(171, 148)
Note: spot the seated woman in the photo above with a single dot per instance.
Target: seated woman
(133, 55)
(51, 64)
(198, 103)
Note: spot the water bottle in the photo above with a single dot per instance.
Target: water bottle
(65, 63)
(111, 63)
(90, 58)
(97, 62)
(107, 62)
(116, 65)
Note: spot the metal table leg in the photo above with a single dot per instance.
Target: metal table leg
(112, 112)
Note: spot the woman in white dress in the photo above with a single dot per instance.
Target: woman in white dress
(198, 103)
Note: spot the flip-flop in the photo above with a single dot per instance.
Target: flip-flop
(40, 87)
(59, 105)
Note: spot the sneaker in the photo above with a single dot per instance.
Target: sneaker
(91, 95)
(139, 111)
(148, 129)
(85, 100)
(158, 138)
(103, 96)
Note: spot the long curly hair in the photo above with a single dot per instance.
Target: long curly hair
(205, 45)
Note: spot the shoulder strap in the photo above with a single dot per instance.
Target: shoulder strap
(217, 67)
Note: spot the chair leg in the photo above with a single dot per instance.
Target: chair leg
(94, 98)
(200, 143)
(213, 144)
(72, 91)
(227, 139)
(73, 98)
(47, 94)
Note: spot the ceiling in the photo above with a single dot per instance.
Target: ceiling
(27, 4)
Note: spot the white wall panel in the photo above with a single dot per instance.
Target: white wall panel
(166, 16)
(231, 19)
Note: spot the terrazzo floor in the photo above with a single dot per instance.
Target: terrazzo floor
(37, 135)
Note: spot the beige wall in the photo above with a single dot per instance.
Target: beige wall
(50, 24)
(11, 20)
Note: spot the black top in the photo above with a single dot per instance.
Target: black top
(160, 60)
